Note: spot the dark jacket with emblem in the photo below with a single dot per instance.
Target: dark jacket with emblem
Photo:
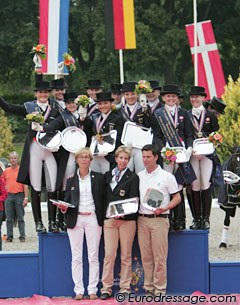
(210, 123)
(126, 188)
(72, 195)
(64, 120)
(113, 122)
(23, 110)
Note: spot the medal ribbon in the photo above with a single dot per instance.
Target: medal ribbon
(133, 111)
(92, 109)
(99, 123)
(197, 125)
(155, 104)
(47, 112)
(175, 121)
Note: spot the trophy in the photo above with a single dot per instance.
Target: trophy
(153, 199)
(122, 207)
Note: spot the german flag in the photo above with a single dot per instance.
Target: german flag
(120, 24)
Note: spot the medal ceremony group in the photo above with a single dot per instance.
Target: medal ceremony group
(126, 172)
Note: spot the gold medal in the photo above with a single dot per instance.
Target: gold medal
(99, 137)
(200, 134)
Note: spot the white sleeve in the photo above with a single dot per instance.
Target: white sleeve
(172, 185)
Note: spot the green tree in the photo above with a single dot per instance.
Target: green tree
(230, 122)
(5, 136)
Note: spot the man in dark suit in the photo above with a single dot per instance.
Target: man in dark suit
(85, 190)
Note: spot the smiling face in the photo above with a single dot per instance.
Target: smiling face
(122, 160)
(170, 99)
(104, 106)
(152, 96)
(197, 100)
(42, 96)
(58, 94)
(71, 106)
(130, 97)
(92, 92)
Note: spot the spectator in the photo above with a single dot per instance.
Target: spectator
(17, 198)
(3, 196)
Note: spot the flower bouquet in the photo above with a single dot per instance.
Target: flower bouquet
(142, 88)
(40, 50)
(215, 138)
(35, 119)
(168, 155)
(82, 101)
(69, 62)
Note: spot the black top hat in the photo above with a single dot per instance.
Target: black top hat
(217, 104)
(116, 88)
(197, 90)
(129, 86)
(104, 96)
(42, 86)
(155, 84)
(58, 84)
(93, 84)
(173, 89)
(70, 96)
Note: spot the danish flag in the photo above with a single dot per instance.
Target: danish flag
(210, 71)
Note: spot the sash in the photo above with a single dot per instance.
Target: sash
(69, 119)
(167, 126)
(185, 173)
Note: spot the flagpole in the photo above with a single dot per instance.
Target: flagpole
(121, 66)
(195, 43)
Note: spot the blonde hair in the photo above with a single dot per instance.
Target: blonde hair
(84, 150)
(123, 149)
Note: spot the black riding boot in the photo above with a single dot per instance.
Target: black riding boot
(60, 219)
(179, 214)
(196, 204)
(52, 227)
(206, 207)
(36, 209)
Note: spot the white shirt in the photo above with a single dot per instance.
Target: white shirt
(158, 179)
(61, 103)
(86, 202)
(43, 106)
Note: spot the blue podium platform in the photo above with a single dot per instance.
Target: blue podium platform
(48, 272)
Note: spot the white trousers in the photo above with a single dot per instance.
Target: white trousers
(41, 157)
(100, 165)
(172, 168)
(89, 226)
(202, 167)
(136, 162)
(70, 169)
